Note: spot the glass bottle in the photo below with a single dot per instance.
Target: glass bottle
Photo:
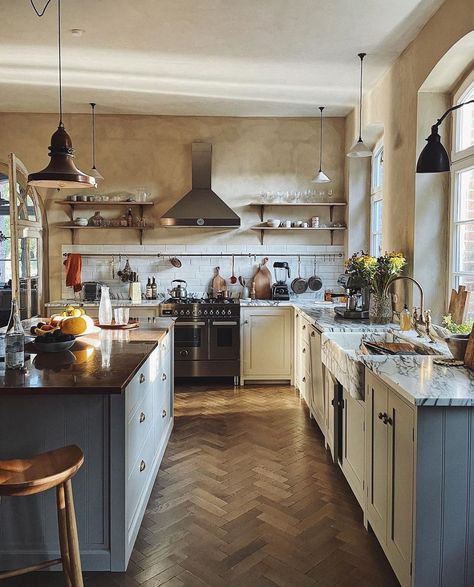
(154, 290)
(129, 217)
(105, 306)
(14, 340)
(148, 290)
(405, 319)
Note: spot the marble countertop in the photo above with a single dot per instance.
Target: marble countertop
(99, 363)
(84, 304)
(422, 382)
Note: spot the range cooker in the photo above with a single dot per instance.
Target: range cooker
(207, 336)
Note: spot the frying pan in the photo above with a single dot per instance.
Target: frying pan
(315, 283)
(299, 285)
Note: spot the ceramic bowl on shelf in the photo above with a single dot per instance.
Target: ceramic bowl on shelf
(80, 221)
(273, 222)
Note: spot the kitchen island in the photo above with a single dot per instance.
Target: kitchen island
(112, 395)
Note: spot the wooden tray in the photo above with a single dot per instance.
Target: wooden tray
(129, 326)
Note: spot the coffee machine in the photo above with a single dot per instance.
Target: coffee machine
(358, 295)
(280, 289)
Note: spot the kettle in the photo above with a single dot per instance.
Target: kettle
(179, 292)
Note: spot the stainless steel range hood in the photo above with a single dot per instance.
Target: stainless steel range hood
(201, 206)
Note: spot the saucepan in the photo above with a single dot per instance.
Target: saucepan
(299, 285)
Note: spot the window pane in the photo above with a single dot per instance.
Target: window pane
(468, 281)
(5, 272)
(466, 122)
(465, 248)
(31, 209)
(465, 194)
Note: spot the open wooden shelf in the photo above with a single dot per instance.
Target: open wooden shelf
(100, 203)
(74, 227)
(262, 228)
(330, 205)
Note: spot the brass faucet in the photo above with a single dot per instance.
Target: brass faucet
(420, 318)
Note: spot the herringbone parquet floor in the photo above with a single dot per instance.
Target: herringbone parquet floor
(246, 496)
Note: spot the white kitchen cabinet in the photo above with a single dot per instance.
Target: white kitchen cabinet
(390, 474)
(330, 398)
(353, 449)
(267, 344)
(317, 398)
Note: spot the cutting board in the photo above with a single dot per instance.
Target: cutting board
(263, 282)
(218, 283)
(469, 355)
(458, 303)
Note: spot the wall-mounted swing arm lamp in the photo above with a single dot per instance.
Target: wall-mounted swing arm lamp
(434, 157)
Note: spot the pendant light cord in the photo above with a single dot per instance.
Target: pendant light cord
(41, 13)
(361, 56)
(93, 134)
(321, 108)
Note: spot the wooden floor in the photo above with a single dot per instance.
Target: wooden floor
(247, 495)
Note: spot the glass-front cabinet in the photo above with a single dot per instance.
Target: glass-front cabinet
(21, 220)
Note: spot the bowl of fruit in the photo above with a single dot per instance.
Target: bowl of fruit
(54, 341)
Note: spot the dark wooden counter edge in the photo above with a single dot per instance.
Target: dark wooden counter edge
(96, 390)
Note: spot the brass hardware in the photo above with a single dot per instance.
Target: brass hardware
(142, 418)
(381, 416)
(142, 466)
(163, 377)
(304, 379)
(142, 378)
(304, 350)
(163, 414)
(313, 333)
(304, 326)
(421, 319)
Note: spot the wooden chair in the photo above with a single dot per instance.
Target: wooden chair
(50, 469)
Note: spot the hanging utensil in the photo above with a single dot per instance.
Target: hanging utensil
(315, 283)
(299, 285)
(175, 262)
(112, 265)
(233, 278)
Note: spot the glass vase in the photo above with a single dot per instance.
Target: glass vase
(105, 306)
(380, 308)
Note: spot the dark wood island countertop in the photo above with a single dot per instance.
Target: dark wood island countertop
(101, 363)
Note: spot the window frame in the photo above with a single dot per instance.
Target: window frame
(376, 194)
(462, 160)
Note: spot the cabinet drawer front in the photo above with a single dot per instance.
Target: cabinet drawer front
(138, 387)
(138, 427)
(139, 477)
(305, 330)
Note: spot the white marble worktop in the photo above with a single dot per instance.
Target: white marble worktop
(423, 383)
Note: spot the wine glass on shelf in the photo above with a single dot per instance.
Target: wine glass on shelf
(322, 195)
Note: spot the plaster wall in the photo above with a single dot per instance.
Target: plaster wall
(250, 155)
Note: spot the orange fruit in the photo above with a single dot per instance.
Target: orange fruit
(74, 325)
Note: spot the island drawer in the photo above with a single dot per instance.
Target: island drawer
(139, 477)
(138, 427)
(142, 382)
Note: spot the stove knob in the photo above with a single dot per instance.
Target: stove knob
(181, 312)
(188, 312)
(175, 312)
(217, 312)
(199, 312)
(211, 312)
(229, 312)
(205, 312)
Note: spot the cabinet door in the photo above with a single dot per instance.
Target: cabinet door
(376, 455)
(353, 457)
(267, 343)
(400, 427)
(298, 346)
(329, 410)
(317, 384)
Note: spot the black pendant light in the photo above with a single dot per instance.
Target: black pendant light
(434, 157)
(61, 171)
(95, 174)
(321, 177)
(359, 148)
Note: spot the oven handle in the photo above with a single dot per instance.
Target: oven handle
(177, 323)
(225, 323)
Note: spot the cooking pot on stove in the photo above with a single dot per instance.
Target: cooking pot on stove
(179, 291)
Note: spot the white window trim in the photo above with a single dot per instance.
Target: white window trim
(462, 160)
(376, 195)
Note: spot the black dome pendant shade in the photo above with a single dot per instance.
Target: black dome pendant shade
(434, 157)
(61, 171)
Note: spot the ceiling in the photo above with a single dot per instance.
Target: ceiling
(205, 57)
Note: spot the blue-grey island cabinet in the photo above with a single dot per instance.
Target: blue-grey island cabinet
(112, 395)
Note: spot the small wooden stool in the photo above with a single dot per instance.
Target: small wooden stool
(50, 469)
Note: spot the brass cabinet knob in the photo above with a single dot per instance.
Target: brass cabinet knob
(164, 377)
(163, 414)
(142, 378)
(142, 418)
(304, 350)
(142, 466)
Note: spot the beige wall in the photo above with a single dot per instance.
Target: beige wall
(393, 105)
(249, 155)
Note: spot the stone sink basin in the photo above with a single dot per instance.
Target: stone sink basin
(341, 355)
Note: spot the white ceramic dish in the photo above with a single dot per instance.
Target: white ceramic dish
(273, 222)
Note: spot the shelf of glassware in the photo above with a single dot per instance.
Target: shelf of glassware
(74, 227)
(330, 205)
(262, 228)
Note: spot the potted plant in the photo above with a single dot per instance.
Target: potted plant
(377, 272)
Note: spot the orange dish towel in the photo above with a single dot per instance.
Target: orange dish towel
(73, 264)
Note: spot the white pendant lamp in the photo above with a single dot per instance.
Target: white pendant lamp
(321, 177)
(360, 149)
(95, 174)
(61, 171)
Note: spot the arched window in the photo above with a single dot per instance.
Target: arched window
(462, 194)
(21, 266)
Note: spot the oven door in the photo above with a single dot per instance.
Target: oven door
(225, 339)
(191, 340)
